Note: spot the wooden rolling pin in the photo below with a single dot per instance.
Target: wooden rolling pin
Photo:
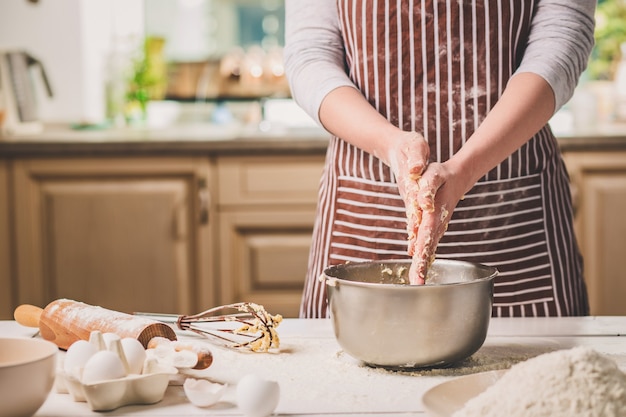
(66, 321)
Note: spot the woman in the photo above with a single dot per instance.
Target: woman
(438, 111)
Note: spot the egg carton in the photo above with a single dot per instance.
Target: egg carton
(107, 372)
(111, 374)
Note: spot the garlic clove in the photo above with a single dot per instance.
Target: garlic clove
(167, 354)
(257, 397)
(203, 393)
(183, 359)
(162, 351)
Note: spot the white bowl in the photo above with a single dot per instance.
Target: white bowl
(163, 113)
(27, 372)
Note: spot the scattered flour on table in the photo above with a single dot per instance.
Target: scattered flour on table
(565, 383)
(488, 358)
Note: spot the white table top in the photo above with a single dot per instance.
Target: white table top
(317, 378)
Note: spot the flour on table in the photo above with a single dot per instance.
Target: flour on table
(565, 383)
(492, 357)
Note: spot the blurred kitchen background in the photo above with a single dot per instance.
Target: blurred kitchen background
(132, 62)
(167, 169)
(126, 62)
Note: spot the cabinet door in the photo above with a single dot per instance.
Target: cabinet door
(6, 312)
(599, 189)
(269, 181)
(266, 215)
(264, 256)
(123, 234)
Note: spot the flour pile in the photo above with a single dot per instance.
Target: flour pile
(565, 383)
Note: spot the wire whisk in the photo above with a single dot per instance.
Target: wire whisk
(253, 328)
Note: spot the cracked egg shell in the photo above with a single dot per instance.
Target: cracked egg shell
(203, 393)
(257, 397)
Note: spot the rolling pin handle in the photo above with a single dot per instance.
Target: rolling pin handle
(28, 315)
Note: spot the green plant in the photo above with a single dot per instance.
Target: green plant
(610, 33)
(148, 77)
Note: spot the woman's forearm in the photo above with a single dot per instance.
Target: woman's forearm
(526, 105)
(347, 114)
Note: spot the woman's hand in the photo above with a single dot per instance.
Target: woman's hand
(439, 192)
(408, 157)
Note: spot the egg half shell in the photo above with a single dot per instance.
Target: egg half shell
(257, 397)
(203, 393)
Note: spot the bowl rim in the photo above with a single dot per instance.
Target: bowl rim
(48, 349)
(331, 281)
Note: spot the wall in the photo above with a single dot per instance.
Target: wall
(73, 39)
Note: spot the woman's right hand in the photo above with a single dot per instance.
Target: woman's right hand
(347, 114)
(407, 156)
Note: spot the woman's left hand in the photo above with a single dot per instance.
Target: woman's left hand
(440, 190)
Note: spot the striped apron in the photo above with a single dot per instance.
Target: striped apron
(437, 67)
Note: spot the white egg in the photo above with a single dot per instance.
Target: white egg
(77, 356)
(203, 393)
(135, 354)
(257, 397)
(104, 365)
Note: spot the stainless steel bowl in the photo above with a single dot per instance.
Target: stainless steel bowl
(382, 321)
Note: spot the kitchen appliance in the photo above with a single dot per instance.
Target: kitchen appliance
(18, 98)
(381, 320)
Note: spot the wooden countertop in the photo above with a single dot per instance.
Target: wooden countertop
(207, 138)
(198, 138)
(607, 137)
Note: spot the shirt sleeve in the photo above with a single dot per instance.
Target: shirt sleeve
(559, 44)
(558, 48)
(314, 53)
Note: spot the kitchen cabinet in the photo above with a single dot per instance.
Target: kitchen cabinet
(130, 234)
(174, 220)
(266, 210)
(599, 191)
(5, 252)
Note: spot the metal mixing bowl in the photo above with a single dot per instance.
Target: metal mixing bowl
(382, 321)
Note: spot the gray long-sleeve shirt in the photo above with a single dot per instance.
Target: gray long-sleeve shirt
(558, 48)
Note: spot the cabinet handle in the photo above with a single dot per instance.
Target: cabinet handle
(204, 201)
